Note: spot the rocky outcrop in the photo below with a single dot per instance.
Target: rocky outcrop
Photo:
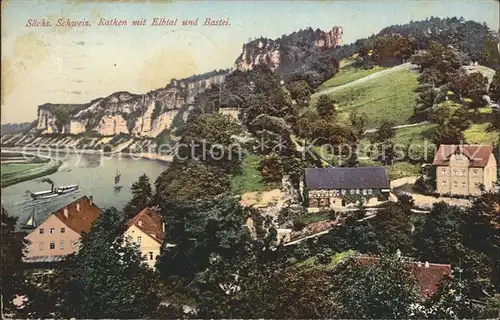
(329, 39)
(145, 115)
(289, 52)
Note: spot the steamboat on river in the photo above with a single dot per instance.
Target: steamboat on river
(53, 192)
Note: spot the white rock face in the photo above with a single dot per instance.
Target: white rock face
(111, 125)
(115, 110)
(77, 126)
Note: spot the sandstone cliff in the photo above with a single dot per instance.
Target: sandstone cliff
(289, 52)
(145, 115)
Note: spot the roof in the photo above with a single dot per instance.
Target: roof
(81, 214)
(347, 178)
(479, 155)
(428, 275)
(149, 222)
(40, 259)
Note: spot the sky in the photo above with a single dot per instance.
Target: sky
(75, 65)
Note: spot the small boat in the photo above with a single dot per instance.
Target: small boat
(117, 177)
(30, 223)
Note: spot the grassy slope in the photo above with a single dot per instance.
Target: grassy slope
(389, 97)
(250, 178)
(15, 173)
(349, 74)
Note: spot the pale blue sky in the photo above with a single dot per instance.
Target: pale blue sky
(62, 65)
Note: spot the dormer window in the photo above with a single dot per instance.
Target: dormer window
(139, 223)
(139, 240)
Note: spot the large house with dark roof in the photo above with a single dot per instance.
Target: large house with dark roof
(59, 235)
(333, 187)
(461, 169)
(147, 231)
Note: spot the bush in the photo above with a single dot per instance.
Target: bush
(298, 225)
(324, 257)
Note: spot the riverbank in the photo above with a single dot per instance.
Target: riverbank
(63, 151)
(12, 173)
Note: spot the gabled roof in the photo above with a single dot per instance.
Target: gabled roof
(347, 178)
(478, 155)
(149, 222)
(81, 214)
(428, 275)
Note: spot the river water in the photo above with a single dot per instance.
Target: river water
(95, 175)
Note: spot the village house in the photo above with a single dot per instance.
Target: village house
(147, 230)
(59, 235)
(462, 169)
(338, 187)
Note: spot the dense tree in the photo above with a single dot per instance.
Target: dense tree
(371, 289)
(300, 92)
(439, 64)
(358, 123)
(385, 132)
(452, 122)
(199, 229)
(210, 138)
(184, 182)
(141, 196)
(391, 50)
(494, 90)
(12, 280)
(439, 237)
(325, 106)
(107, 278)
(351, 235)
(393, 228)
(472, 86)
(271, 168)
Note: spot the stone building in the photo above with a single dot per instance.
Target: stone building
(462, 169)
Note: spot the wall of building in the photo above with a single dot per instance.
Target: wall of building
(149, 247)
(460, 179)
(64, 242)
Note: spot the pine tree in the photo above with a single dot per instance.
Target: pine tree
(141, 196)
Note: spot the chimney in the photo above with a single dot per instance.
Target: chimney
(163, 227)
(139, 223)
(78, 206)
(419, 264)
(91, 199)
(66, 213)
(427, 264)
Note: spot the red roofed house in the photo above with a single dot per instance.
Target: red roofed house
(427, 274)
(461, 169)
(147, 230)
(60, 233)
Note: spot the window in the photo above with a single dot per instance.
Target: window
(463, 184)
(454, 172)
(40, 246)
(455, 183)
(463, 172)
(42, 230)
(61, 244)
(369, 191)
(474, 172)
(139, 239)
(443, 171)
(352, 191)
(52, 230)
(150, 255)
(52, 245)
(443, 182)
(63, 230)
